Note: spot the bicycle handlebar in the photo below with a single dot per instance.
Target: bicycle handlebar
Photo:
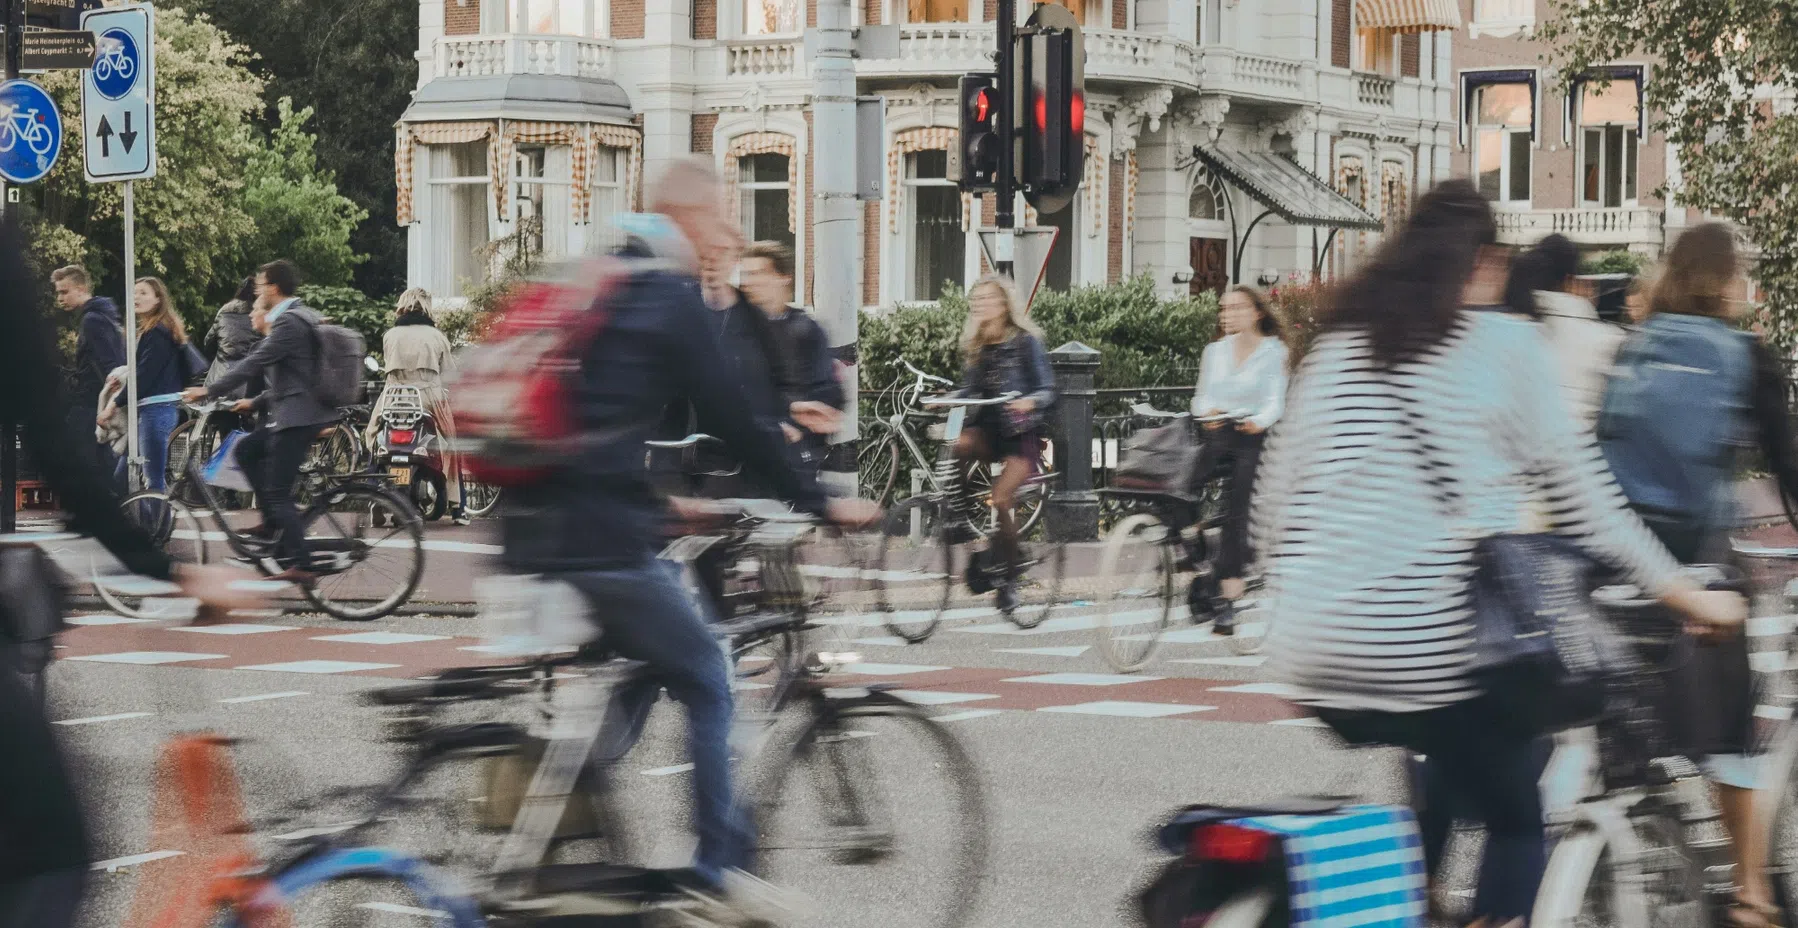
(952, 401)
(1628, 596)
(1149, 412)
(923, 376)
(691, 441)
(1759, 551)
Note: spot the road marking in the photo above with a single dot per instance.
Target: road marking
(667, 771)
(119, 863)
(262, 696)
(1083, 679)
(381, 638)
(967, 714)
(106, 718)
(1766, 626)
(320, 667)
(1260, 689)
(937, 698)
(883, 641)
(237, 628)
(1779, 713)
(106, 620)
(401, 909)
(882, 670)
(320, 831)
(1126, 709)
(148, 657)
(1065, 651)
(1306, 722)
(1247, 660)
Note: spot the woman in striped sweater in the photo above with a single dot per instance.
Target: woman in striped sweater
(1417, 425)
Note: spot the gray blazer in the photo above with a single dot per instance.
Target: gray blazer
(288, 361)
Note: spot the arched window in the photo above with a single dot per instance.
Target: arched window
(1204, 203)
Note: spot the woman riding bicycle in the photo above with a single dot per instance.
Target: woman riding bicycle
(1242, 383)
(1003, 352)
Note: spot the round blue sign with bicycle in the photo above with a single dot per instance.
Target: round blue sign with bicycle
(30, 132)
(117, 63)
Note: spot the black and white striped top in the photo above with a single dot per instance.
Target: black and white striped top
(1366, 523)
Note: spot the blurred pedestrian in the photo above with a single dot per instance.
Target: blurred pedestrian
(1420, 425)
(1242, 377)
(1541, 286)
(418, 354)
(99, 348)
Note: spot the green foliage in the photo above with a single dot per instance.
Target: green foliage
(347, 306)
(1612, 262)
(459, 326)
(1144, 339)
(1738, 150)
(1296, 302)
(295, 205)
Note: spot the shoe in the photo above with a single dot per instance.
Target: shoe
(262, 531)
(461, 517)
(743, 901)
(979, 582)
(296, 576)
(1225, 623)
(1008, 597)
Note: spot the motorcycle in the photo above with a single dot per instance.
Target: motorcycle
(410, 450)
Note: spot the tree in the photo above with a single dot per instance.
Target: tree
(295, 205)
(1723, 68)
(351, 62)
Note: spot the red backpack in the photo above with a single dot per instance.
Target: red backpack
(512, 396)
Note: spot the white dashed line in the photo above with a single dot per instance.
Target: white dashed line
(120, 717)
(119, 863)
(667, 771)
(967, 714)
(402, 909)
(262, 696)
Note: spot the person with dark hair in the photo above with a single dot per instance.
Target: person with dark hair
(1241, 375)
(232, 336)
(1419, 424)
(1541, 287)
(273, 454)
(99, 349)
(810, 396)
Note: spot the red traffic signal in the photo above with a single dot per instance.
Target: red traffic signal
(974, 162)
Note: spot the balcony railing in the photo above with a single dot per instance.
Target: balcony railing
(1585, 226)
(1374, 90)
(955, 48)
(765, 58)
(487, 55)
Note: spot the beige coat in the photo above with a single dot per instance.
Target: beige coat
(1583, 346)
(419, 355)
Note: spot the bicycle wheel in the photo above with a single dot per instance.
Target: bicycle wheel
(174, 529)
(914, 569)
(877, 466)
(333, 455)
(1135, 590)
(368, 571)
(877, 816)
(1780, 827)
(1589, 882)
(1040, 583)
(481, 498)
(364, 888)
(1031, 502)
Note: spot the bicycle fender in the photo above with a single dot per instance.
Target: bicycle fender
(435, 889)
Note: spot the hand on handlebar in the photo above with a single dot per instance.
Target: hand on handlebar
(1711, 615)
(852, 513)
(817, 418)
(1214, 423)
(214, 588)
(193, 394)
(1022, 407)
(1247, 427)
(243, 406)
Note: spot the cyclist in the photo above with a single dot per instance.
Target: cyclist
(234, 335)
(598, 524)
(1242, 375)
(273, 454)
(1003, 352)
(809, 398)
(1420, 424)
(1583, 345)
(44, 849)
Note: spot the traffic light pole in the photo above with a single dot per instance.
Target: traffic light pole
(1005, 194)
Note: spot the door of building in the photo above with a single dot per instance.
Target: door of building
(1210, 259)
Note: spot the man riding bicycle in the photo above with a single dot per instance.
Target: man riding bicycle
(597, 523)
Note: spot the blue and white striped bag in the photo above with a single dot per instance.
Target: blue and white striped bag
(1358, 867)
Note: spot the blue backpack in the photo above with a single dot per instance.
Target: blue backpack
(1674, 416)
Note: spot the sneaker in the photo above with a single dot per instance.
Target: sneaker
(462, 517)
(744, 901)
(1225, 624)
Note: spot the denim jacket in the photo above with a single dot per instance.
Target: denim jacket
(1017, 365)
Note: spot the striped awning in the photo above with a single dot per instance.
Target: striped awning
(1407, 15)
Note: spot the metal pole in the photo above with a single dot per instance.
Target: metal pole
(133, 471)
(1004, 212)
(837, 215)
(9, 433)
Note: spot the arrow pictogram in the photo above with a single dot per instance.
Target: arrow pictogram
(104, 134)
(128, 137)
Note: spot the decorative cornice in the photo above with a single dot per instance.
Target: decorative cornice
(1141, 109)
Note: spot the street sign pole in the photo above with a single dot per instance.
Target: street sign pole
(135, 470)
(1006, 194)
(9, 432)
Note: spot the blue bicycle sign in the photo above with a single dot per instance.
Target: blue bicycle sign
(116, 63)
(30, 132)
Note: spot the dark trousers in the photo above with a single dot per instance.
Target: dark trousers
(1241, 453)
(272, 460)
(44, 848)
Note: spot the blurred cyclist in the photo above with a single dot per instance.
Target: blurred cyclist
(808, 397)
(44, 849)
(598, 523)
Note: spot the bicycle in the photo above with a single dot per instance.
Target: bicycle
(1777, 819)
(816, 734)
(337, 524)
(1144, 556)
(917, 567)
(30, 126)
(879, 460)
(113, 61)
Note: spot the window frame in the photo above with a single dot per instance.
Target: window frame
(512, 15)
(746, 191)
(1628, 162)
(1508, 132)
(439, 272)
(901, 13)
(910, 238)
(599, 228)
(740, 12)
(1512, 23)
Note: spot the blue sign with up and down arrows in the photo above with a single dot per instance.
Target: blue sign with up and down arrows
(118, 94)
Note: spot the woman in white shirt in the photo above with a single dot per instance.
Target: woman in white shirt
(1241, 376)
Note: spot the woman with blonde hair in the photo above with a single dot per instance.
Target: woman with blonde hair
(166, 364)
(417, 354)
(1003, 353)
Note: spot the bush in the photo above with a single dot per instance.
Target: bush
(1144, 339)
(1296, 302)
(349, 307)
(1612, 262)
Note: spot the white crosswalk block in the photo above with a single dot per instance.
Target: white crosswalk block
(148, 658)
(967, 714)
(1306, 722)
(381, 638)
(1260, 689)
(885, 670)
(1063, 651)
(234, 628)
(320, 667)
(106, 620)
(938, 698)
(1083, 679)
(1126, 709)
(1242, 660)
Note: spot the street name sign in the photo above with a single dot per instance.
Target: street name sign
(30, 132)
(58, 50)
(118, 95)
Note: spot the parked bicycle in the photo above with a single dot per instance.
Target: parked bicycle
(365, 573)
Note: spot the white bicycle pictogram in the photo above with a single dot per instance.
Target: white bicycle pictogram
(29, 125)
(114, 61)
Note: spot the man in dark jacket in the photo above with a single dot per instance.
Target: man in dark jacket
(273, 454)
(809, 397)
(598, 524)
(99, 348)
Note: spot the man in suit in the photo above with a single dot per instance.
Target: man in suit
(287, 359)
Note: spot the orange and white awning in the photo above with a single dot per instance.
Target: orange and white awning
(1407, 15)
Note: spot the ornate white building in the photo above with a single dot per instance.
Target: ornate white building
(1226, 139)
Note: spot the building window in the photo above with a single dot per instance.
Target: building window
(540, 198)
(936, 11)
(939, 246)
(1063, 269)
(764, 198)
(1211, 16)
(1087, 12)
(556, 17)
(1203, 204)
(607, 198)
(1504, 120)
(1609, 116)
(458, 211)
(773, 17)
(1502, 17)
(1376, 51)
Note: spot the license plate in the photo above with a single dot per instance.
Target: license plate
(402, 476)
(952, 428)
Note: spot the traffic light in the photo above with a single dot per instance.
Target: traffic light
(1054, 117)
(975, 161)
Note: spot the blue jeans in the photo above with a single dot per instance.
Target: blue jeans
(154, 425)
(648, 616)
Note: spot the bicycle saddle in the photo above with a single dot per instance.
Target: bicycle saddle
(1173, 835)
